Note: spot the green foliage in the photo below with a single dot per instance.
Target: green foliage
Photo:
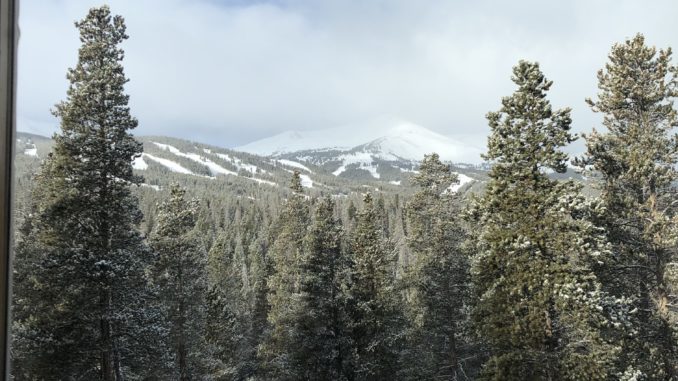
(80, 309)
(635, 161)
(284, 287)
(295, 183)
(235, 295)
(538, 304)
(178, 274)
(375, 321)
(325, 346)
(437, 278)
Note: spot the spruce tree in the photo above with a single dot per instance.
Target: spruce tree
(179, 275)
(375, 321)
(261, 270)
(284, 287)
(223, 336)
(352, 211)
(324, 348)
(233, 330)
(539, 306)
(635, 161)
(82, 314)
(382, 215)
(224, 329)
(437, 278)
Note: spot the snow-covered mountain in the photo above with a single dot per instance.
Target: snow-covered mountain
(383, 148)
(385, 138)
(376, 165)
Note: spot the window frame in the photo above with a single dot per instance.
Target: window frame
(9, 34)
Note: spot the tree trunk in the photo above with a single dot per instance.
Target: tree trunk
(118, 370)
(108, 368)
(453, 357)
(181, 350)
(183, 371)
(107, 360)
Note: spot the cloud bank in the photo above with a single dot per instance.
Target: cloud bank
(229, 72)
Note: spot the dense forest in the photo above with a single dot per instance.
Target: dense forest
(529, 278)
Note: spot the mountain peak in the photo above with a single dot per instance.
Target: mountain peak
(386, 137)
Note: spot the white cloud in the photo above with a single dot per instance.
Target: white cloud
(231, 72)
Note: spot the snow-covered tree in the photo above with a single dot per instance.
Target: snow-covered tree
(233, 330)
(284, 287)
(180, 278)
(635, 161)
(82, 310)
(325, 345)
(437, 279)
(539, 307)
(373, 303)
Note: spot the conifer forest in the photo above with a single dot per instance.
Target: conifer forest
(130, 272)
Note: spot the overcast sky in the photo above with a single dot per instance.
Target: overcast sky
(229, 72)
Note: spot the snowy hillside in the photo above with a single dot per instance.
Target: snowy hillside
(411, 142)
(384, 138)
(386, 163)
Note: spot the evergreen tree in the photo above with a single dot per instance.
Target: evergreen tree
(82, 314)
(261, 270)
(636, 163)
(179, 274)
(325, 345)
(232, 330)
(224, 336)
(437, 279)
(375, 322)
(352, 211)
(382, 215)
(284, 287)
(225, 330)
(539, 306)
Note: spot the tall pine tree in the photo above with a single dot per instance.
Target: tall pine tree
(373, 304)
(437, 280)
(325, 345)
(284, 287)
(180, 277)
(226, 330)
(539, 304)
(233, 328)
(82, 310)
(636, 163)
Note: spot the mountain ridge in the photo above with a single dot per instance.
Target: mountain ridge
(387, 138)
(165, 159)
